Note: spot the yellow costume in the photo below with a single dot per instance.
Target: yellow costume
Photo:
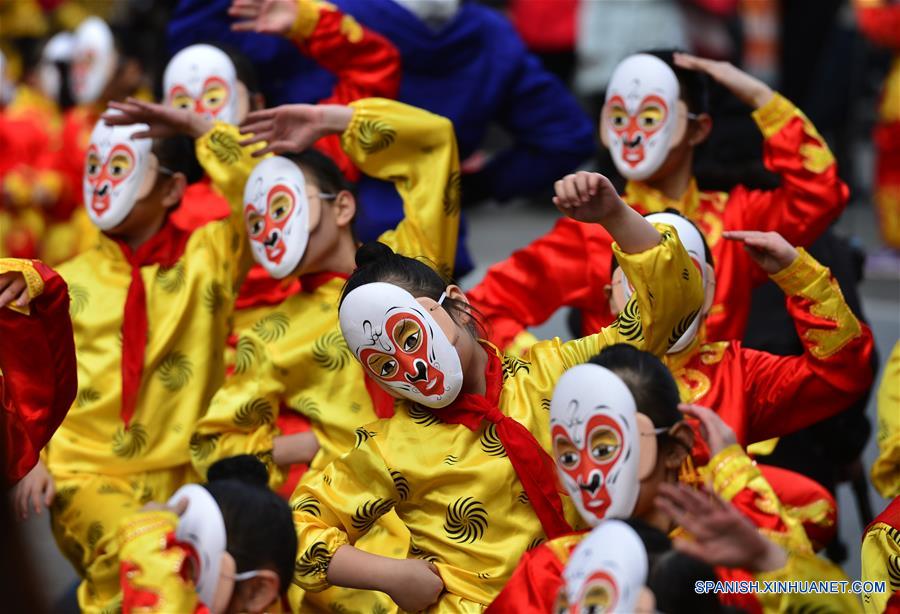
(102, 469)
(455, 489)
(886, 469)
(295, 357)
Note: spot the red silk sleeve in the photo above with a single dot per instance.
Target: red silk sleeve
(37, 358)
(879, 20)
(366, 64)
(533, 586)
(554, 271)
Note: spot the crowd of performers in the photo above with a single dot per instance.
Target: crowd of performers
(229, 402)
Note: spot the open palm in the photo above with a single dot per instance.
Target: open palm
(163, 121)
(264, 16)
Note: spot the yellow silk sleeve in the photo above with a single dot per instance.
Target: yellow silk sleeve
(731, 471)
(880, 563)
(149, 568)
(805, 566)
(417, 152)
(886, 468)
(241, 416)
(667, 296)
(229, 166)
(339, 507)
(33, 280)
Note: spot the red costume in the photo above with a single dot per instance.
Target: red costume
(570, 265)
(37, 361)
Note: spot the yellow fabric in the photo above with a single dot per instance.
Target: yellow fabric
(889, 109)
(806, 567)
(306, 21)
(294, 355)
(455, 489)
(731, 471)
(188, 309)
(772, 116)
(33, 280)
(886, 468)
(880, 562)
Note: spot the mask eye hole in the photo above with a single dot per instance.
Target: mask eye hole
(651, 117)
(597, 598)
(92, 165)
(382, 365)
(618, 117)
(567, 454)
(214, 97)
(408, 335)
(604, 444)
(120, 165)
(255, 224)
(280, 206)
(183, 101)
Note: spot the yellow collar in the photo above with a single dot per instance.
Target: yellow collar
(654, 201)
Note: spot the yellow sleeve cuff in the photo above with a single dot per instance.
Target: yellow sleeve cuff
(33, 279)
(153, 523)
(730, 471)
(306, 22)
(800, 274)
(772, 116)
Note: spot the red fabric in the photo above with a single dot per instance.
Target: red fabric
(78, 123)
(290, 422)
(545, 25)
(748, 602)
(200, 205)
(533, 466)
(797, 491)
(893, 604)
(570, 265)
(164, 248)
(534, 585)
(366, 68)
(881, 24)
(39, 374)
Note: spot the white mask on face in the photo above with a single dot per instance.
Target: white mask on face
(401, 345)
(606, 571)
(114, 173)
(94, 60)
(276, 214)
(595, 436)
(693, 242)
(202, 78)
(203, 527)
(58, 49)
(432, 12)
(642, 118)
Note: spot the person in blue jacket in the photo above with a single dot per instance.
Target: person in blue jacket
(460, 60)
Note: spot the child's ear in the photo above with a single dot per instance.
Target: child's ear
(710, 289)
(175, 187)
(344, 208)
(676, 454)
(700, 129)
(261, 592)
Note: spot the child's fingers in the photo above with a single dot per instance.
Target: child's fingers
(690, 548)
(50, 494)
(595, 183)
(258, 116)
(253, 139)
(255, 127)
(22, 299)
(582, 187)
(244, 26)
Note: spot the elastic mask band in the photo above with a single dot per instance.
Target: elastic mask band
(441, 300)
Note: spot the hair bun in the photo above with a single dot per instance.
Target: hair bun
(372, 252)
(244, 468)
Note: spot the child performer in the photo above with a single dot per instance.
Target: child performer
(654, 118)
(761, 395)
(463, 462)
(37, 365)
(618, 441)
(150, 308)
(295, 357)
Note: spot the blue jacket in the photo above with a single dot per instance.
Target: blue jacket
(476, 71)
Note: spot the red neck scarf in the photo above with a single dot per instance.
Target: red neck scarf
(381, 400)
(533, 466)
(164, 248)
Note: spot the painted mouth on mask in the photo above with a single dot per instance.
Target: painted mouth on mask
(100, 202)
(593, 496)
(274, 246)
(421, 382)
(633, 150)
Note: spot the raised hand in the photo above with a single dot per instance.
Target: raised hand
(264, 16)
(36, 490)
(716, 433)
(586, 197)
(13, 289)
(749, 90)
(769, 250)
(722, 536)
(163, 121)
(416, 585)
(294, 127)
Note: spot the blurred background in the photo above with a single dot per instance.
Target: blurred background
(818, 53)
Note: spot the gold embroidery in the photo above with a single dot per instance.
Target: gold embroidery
(818, 512)
(826, 343)
(816, 156)
(692, 384)
(712, 353)
(351, 29)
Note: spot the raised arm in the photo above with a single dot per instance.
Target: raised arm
(38, 374)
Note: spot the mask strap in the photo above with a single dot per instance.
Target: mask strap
(245, 575)
(692, 115)
(441, 300)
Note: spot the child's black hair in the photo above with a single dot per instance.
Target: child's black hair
(328, 176)
(258, 522)
(177, 154)
(672, 578)
(694, 84)
(707, 253)
(377, 262)
(244, 69)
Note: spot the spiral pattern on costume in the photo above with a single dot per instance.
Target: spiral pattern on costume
(401, 485)
(306, 505)
(171, 279)
(306, 406)
(203, 445)
(214, 297)
(330, 351)
(94, 534)
(629, 322)
(129, 442)
(272, 326)
(225, 147)
(452, 194)
(363, 435)
(110, 489)
(681, 327)
(86, 396)
(490, 442)
(369, 512)
(314, 561)
(78, 299)
(63, 498)
(375, 135)
(451, 460)
(545, 404)
(522, 497)
(421, 554)
(244, 356)
(423, 417)
(514, 364)
(254, 414)
(174, 371)
(537, 541)
(466, 520)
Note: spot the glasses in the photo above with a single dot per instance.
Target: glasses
(326, 196)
